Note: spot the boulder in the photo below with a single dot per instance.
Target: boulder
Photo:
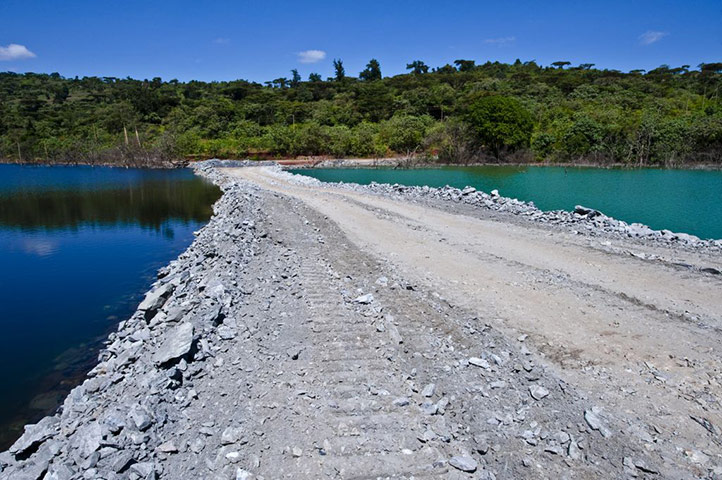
(178, 343)
(155, 299)
(588, 212)
(35, 435)
(464, 463)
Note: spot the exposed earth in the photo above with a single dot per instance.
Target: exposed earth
(322, 331)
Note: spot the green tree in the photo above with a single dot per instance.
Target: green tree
(465, 65)
(417, 67)
(314, 77)
(295, 78)
(372, 71)
(339, 71)
(500, 123)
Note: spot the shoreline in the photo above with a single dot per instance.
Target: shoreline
(386, 162)
(594, 220)
(155, 341)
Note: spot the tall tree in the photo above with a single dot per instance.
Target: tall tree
(314, 77)
(417, 67)
(295, 78)
(372, 71)
(339, 71)
(465, 65)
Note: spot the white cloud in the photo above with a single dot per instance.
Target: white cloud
(15, 52)
(501, 41)
(650, 36)
(222, 41)
(311, 56)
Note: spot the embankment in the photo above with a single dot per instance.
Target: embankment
(326, 331)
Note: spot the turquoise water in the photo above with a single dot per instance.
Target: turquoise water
(688, 201)
(78, 247)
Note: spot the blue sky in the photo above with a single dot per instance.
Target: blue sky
(263, 40)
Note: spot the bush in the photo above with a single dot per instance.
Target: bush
(405, 133)
(451, 142)
(500, 123)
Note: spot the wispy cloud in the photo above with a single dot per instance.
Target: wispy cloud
(311, 56)
(222, 41)
(501, 41)
(15, 52)
(651, 36)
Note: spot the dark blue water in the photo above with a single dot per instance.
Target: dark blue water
(78, 247)
(688, 201)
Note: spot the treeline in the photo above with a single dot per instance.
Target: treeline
(457, 113)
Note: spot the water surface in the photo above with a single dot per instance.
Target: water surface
(687, 201)
(78, 247)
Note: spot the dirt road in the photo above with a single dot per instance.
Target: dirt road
(641, 338)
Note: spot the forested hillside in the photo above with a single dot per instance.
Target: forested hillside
(456, 113)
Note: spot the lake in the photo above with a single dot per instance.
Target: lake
(688, 201)
(79, 246)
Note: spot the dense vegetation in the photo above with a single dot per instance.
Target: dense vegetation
(462, 113)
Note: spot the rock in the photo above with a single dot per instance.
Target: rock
(197, 445)
(122, 462)
(429, 408)
(88, 439)
(479, 362)
(296, 452)
(538, 392)
(167, 447)
(642, 465)
(428, 390)
(554, 449)
(463, 463)
(155, 299)
(140, 418)
(59, 472)
(231, 435)
(294, 352)
(364, 299)
(706, 424)
(226, 332)
(595, 423)
(494, 193)
(588, 212)
(393, 331)
(401, 402)
(573, 450)
(697, 457)
(178, 343)
(35, 435)
(233, 457)
(144, 469)
(243, 474)
(441, 405)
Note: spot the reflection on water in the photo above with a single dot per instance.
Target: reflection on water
(78, 247)
(148, 204)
